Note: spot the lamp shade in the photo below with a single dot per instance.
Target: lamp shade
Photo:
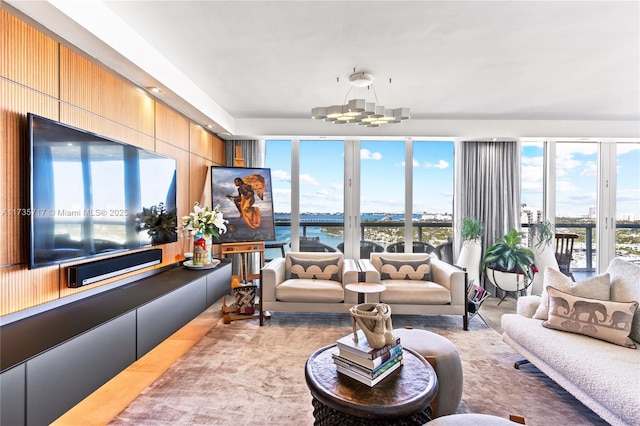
(319, 113)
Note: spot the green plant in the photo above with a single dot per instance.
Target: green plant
(508, 254)
(471, 229)
(160, 223)
(545, 231)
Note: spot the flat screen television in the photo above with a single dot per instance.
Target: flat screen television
(246, 202)
(91, 195)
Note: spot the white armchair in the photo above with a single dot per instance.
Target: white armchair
(410, 289)
(308, 282)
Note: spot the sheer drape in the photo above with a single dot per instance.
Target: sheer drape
(252, 151)
(487, 187)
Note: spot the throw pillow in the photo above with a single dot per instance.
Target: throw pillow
(315, 269)
(594, 287)
(395, 269)
(602, 319)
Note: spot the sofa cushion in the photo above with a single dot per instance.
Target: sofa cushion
(604, 320)
(393, 269)
(310, 290)
(323, 269)
(625, 286)
(594, 287)
(414, 292)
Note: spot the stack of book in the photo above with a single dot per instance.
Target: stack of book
(364, 363)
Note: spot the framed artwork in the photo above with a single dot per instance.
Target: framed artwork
(246, 202)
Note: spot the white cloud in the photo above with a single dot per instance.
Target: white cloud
(304, 178)
(439, 165)
(280, 175)
(365, 154)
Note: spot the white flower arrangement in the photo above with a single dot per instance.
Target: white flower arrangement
(204, 220)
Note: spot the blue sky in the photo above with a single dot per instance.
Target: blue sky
(382, 177)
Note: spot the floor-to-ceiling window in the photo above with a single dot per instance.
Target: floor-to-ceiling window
(627, 239)
(432, 191)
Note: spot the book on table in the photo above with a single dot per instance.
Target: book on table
(374, 363)
(369, 372)
(362, 347)
(367, 379)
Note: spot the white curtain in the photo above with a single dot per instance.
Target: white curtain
(253, 152)
(487, 186)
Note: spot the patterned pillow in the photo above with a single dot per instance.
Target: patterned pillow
(315, 269)
(393, 269)
(602, 319)
(597, 287)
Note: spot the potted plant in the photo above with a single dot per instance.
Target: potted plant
(508, 264)
(542, 237)
(471, 231)
(204, 223)
(160, 223)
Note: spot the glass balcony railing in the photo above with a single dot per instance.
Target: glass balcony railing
(329, 233)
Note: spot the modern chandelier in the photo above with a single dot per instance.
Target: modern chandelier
(360, 111)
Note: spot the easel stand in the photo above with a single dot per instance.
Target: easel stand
(244, 277)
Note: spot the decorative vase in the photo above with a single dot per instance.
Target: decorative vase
(544, 255)
(469, 258)
(202, 249)
(374, 320)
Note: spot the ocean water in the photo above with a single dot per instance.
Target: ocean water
(283, 233)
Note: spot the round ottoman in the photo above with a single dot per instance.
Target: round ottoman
(470, 419)
(447, 365)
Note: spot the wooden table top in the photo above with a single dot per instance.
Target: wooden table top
(366, 287)
(406, 391)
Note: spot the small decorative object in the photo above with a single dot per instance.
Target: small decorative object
(203, 223)
(374, 320)
(160, 223)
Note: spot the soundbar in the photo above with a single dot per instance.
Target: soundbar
(89, 273)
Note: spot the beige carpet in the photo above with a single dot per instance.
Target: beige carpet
(241, 374)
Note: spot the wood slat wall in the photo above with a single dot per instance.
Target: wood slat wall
(40, 75)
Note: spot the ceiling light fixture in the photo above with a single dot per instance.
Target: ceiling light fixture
(360, 111)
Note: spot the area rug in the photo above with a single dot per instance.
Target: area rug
(242, 374)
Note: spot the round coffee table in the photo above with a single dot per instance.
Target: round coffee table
(362, 288)
(404, 397)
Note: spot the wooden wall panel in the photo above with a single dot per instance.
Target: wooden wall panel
(199, 180)
(104, 127)
(172, 127)
(28, 56)
(21, 288)
(90, 98)
(174, 252)
(219, 151)
(16, 101)
(200, 142)
(89, 87)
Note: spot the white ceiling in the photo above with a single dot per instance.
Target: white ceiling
(465, 68)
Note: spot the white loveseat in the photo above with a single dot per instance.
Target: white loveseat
(308, 282)
(604, 376)
(443, 293)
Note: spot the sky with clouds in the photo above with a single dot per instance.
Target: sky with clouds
(382, 177)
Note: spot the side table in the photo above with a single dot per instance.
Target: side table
(402, 398)
(362, 288)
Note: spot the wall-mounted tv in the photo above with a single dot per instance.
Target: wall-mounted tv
(245, 198)
(92, 196)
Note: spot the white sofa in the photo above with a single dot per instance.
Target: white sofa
(443, 294)
(604, 376)
(284, 290)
